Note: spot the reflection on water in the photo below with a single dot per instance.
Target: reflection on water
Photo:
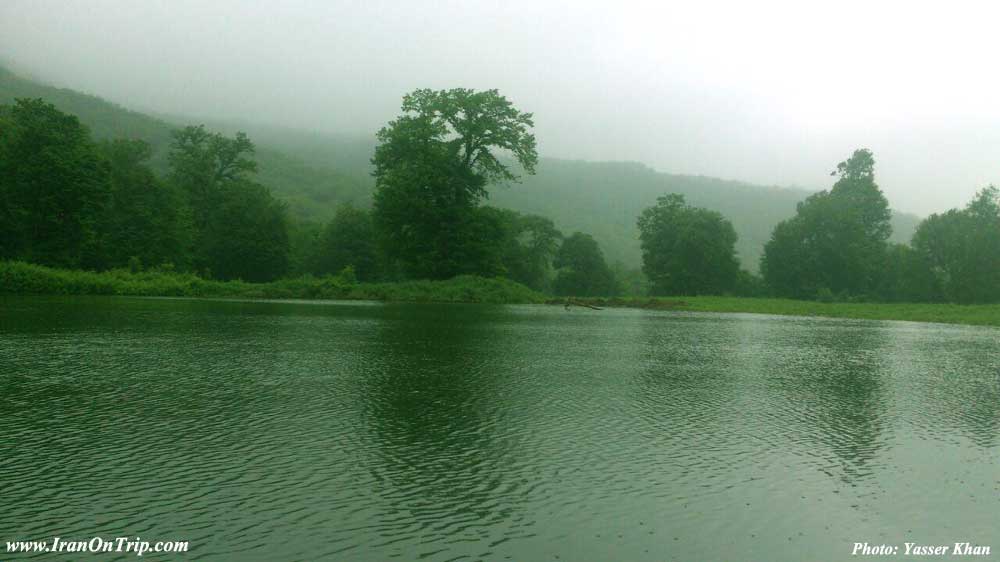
(832, 377)
(282, 431)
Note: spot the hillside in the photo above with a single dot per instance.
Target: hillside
(312, 191)
(576, 191)
(315, 172)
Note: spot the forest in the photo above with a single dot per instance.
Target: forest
(204, 202)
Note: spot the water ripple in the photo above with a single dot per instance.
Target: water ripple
(284, 431)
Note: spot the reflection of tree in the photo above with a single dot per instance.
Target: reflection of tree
(834, 383)
(431, 405)
(148, 399)
(958, 369)
(982, 409)
(693, 366)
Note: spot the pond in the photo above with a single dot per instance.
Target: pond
(368, 431)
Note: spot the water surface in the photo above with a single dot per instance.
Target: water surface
(363, 431)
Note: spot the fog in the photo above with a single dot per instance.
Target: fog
(765, 92)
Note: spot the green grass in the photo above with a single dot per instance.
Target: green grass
(24, 278)
(979, 314)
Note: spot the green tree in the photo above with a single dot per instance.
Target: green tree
(146, 219)
(53, 187)
(749, 285)
(240, 230)
(582, 271)
(837, 240)
(962, 249)
(202, 162)
(304, 239)
(11, 214)
(528, 246)
(630, 280)
(347, 240)
(791, 265)
(247, 234)
(203, 165)
(908, 277)
(687, 250)
(433, 165)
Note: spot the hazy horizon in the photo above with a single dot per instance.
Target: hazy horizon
(772, 94)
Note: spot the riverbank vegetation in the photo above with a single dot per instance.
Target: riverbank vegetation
(18, 278)
(28, 279)
(102, 220)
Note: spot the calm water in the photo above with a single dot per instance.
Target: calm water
(353, 431)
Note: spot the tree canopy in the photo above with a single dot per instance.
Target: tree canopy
(239, 229)
(961, 248)
(53, 186)
(70, 202)
(348, 240)
(687, 250)
(582, 271)
(837, 240)
(147, 219)
(433, 165)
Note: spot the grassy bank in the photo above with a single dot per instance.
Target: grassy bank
(982, 315)
(24, 279)
(27, 279)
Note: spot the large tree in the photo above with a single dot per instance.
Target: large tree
(524, 246)
(433, 165)
(961, 248)
(837, 240)
(240, 230)
(146, 219)
(687, 250)
(53, 187)
(347, 240)
(908, 277)
(532, 244)
(202, 162)
(582, 271)
(246, 236)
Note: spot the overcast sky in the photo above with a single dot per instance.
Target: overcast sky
(766, 92)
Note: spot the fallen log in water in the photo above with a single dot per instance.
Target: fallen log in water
(583, 304)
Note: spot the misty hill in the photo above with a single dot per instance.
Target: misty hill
(315, 172)
(574, 192)
(311, 191)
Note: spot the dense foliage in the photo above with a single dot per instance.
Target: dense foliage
(528, 247)
(54, 187)
(687, 250)
(193, 201)
(960, 250)
(837, 240)
(315, 173)
(582, 270)
(25, 278)
(433, 166)
(147, 221)
(347, 241)
(836, 247)
(67, 201)
(209, 215)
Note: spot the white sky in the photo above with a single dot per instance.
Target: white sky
(766, 91)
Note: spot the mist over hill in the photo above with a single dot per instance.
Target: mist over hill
(312, 189)
(316, 172)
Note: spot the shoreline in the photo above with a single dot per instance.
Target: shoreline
(22, 279)
(940, 313)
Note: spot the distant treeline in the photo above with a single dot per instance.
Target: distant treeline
(835, 248)
(70, 202)
(67, 201)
